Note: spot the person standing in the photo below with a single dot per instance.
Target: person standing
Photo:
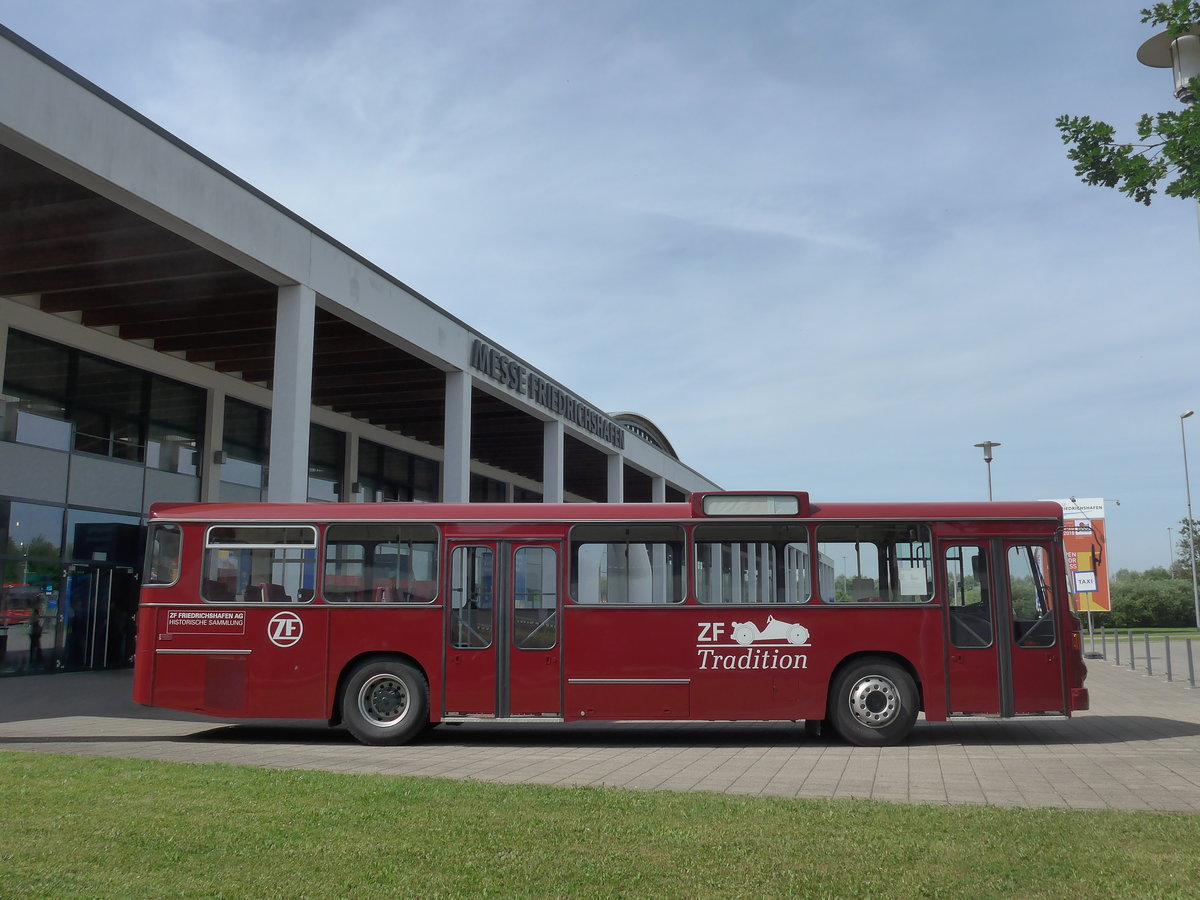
(35, 638)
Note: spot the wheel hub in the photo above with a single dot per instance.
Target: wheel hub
(875, 701)
(384, 700)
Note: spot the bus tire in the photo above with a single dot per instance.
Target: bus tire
(385, 702)
(873, 703)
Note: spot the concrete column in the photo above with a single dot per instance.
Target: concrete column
(715, 571)
(735, 573)
(212, 442)
(554, 440)
(3, 349)
(456, 464)
(8, 412)
(291, 398)
(349, 468)
(658, 489)
(616, 478)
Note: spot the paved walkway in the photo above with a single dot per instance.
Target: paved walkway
(1138, 748)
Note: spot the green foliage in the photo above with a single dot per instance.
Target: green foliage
(1150, 599)
(1168, 145)
(1178, 15)
(1188, 543)
(1024, 595)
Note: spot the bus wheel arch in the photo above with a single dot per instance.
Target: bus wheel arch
(383, 699)
(874, 699)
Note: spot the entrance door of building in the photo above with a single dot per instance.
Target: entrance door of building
(98, 617)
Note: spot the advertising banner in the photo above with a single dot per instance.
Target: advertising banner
(1087, 552)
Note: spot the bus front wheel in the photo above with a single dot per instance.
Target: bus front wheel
(873, 703)
(385, 702)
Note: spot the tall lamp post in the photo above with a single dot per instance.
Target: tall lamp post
(987, 458)
(1187, 483)
(1181, 54)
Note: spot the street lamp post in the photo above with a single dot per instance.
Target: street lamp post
(987, 458)
(1181, 54)
(1191, 530)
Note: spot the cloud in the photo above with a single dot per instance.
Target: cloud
(821, 250)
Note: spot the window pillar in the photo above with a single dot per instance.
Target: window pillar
(291, 397)
(456, 464)
(553, 449)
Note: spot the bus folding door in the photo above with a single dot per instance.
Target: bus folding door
(1004, 652)
(503, 655)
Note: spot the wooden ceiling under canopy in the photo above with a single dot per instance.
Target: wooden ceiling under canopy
(91, 259)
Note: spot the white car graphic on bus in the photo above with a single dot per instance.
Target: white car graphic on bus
(748, 633)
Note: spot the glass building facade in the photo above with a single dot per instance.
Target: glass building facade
(86, 444)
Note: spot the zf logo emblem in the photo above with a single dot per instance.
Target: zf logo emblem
(285, 629)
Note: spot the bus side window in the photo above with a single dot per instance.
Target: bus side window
(268, 563)
(162, 560)
(535, 598)
(472, 580)
(380, 563)
(1029, 598)
(967, 597)
(752, 563)
(875, 562)
(627, 563)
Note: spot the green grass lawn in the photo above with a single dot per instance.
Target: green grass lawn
(83, 827)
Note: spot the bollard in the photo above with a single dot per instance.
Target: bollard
(1132, 654)
(1103, 643)
(1149, 658)
(1117, 645)
(1191, 666)
(1167, 647)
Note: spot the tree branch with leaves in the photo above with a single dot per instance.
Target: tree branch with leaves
(1168, 145)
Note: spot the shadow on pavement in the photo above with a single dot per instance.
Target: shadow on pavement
(1096, 731)
(108, 694)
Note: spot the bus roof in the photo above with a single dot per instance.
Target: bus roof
(572, 512)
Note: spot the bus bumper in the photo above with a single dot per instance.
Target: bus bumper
(1079, 699)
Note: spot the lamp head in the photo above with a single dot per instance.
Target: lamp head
(987, 449)
(1178, 52)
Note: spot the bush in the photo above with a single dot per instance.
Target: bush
(1150, 599)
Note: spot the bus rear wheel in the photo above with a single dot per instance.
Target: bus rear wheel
(873, 703)
(385, 702)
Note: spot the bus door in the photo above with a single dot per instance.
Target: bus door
(503, 654)
(1036, 654)
(1003, 652)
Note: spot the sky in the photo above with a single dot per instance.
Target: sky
(821, 251)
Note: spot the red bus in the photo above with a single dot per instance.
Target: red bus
(388, 618)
